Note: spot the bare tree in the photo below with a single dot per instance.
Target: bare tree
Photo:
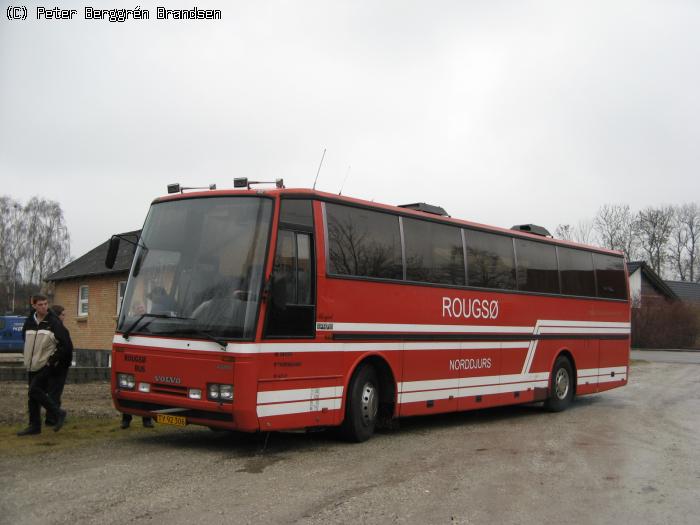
(13, 229)
(583, 232)
(48, 241)
(685, 242)
(564, 232)
(654, 228)
(616, 228)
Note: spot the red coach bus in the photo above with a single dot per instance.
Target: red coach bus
(259, 310)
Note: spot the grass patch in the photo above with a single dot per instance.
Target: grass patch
(79, 432)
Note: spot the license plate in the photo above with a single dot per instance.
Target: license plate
(167, 419)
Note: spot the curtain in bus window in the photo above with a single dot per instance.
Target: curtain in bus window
(490, 260)
(363, 243)
(537, 266)
(610, 276)
(576, 271)
(433, 252)
(285, 264)
(303, 268)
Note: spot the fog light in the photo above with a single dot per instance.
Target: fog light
(226, 392)
(126, 381)
(145, 387)
(194, 393)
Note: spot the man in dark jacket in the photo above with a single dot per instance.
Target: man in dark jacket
(59, 373)
(46, 346)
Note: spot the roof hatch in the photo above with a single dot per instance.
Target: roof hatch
(426, 208)
(532, 228)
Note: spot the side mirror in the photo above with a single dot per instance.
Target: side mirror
(112, 252)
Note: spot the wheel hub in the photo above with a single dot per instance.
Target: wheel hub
(561, 383)
(369, 403)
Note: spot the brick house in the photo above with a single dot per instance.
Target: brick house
(646, 287)
(91, 294)
(688, 292)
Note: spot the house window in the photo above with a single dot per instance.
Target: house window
(83, 301)
(121, 288)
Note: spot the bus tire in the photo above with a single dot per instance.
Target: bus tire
(361, 405)
(561, 389)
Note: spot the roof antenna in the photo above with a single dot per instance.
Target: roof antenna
(345, 179)
(319, 168)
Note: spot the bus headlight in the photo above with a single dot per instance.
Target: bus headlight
(145, 387)
(126, 381)
(226, 392)
(219, 392)
(213, 392)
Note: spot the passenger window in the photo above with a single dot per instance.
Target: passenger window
(291, 309)
(576, 271)
(363, 243)
(537, 266)
(297, 212)
(610, 276)
(490, 261)
(434, 252)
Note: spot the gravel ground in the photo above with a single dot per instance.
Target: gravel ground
(628, 456)
(81, 400)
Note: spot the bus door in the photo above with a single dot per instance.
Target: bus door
(301, 380)
(292, 309)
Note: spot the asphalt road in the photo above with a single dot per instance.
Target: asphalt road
(627, 456)
(668, 356)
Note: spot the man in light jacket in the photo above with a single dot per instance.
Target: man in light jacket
(46, 345)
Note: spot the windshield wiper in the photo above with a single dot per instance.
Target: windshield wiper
(203, 333)
(133, 326)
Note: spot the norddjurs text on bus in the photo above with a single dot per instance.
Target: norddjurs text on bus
(271, 309)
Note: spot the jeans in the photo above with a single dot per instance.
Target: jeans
(38, 396)
(57, 380)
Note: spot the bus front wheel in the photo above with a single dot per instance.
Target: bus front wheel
(362, 405)
(561, 389)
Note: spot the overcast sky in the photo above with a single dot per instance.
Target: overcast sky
(501, 112)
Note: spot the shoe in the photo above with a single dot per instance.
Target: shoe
(60, 420)
(29, 431)
(148, 422)
(49, 422)
(124, 424)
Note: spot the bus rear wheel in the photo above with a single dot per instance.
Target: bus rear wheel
(561, 388)
(361, 405)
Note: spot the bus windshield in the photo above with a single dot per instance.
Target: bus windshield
(198, 269)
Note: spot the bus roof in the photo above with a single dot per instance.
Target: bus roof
(406, 212)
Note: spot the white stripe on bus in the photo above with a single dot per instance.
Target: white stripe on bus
(450, 328)
(460, 382)
(594, 380)
(280, 409)
(301, 400)
(263, 348)
(588, 372)
(412, 397)
(417, 328)
(299, 394)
